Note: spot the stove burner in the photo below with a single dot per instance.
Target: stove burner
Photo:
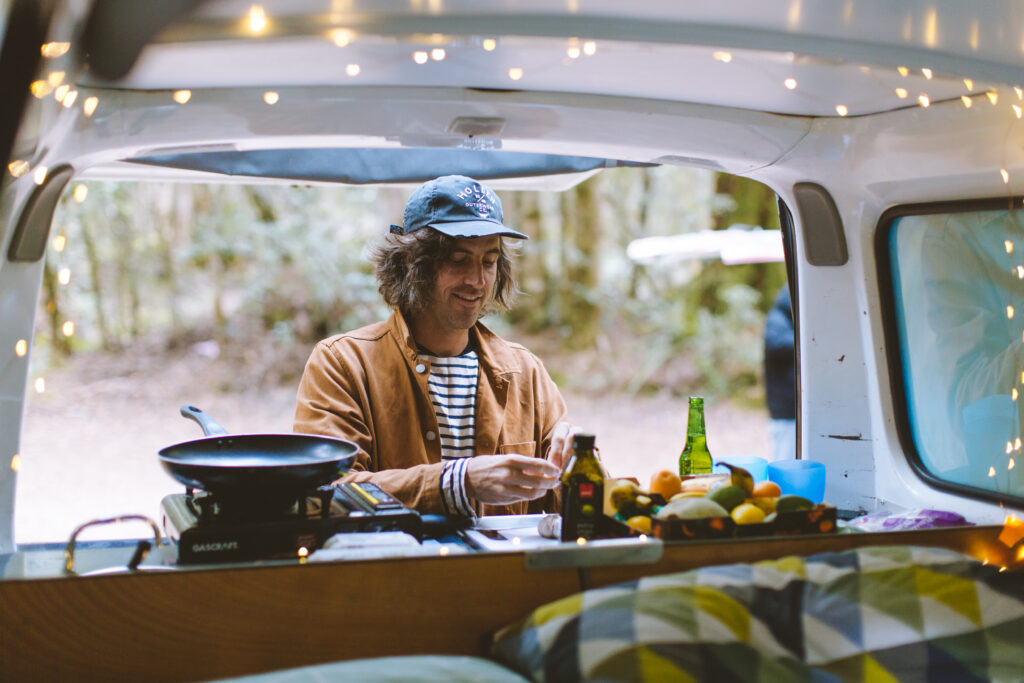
(208, 507)
(209, 527)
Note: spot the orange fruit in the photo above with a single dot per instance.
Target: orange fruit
(666, 482)
(766, 489)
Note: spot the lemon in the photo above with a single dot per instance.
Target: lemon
(745, 513)
(641, 523)
(728, 496)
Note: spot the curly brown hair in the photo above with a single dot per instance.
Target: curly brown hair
(407, 266)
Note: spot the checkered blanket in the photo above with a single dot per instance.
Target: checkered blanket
(871, 614)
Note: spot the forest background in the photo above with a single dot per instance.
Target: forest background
(157, 294)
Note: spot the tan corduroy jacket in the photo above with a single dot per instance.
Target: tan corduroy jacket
(369, 386)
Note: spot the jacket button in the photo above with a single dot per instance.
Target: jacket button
(430, 436)
(421, 368)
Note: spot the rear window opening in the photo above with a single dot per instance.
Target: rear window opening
(157, 295)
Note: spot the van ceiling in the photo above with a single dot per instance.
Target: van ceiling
(664, 51)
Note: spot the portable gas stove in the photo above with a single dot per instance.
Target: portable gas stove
(209, 530)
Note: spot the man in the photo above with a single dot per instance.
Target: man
(780, 375)
(449, 418)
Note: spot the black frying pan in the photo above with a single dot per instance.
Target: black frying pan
(240, 466)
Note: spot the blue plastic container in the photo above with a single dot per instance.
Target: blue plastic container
(799, 477)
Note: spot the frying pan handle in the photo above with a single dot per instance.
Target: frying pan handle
(209, 425)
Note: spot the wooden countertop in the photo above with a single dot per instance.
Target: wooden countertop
(205, 624)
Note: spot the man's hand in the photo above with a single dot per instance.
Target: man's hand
(503, 479)
(560, 449)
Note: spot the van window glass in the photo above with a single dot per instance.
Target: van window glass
(959, 306)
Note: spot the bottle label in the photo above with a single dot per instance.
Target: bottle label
(582, 503)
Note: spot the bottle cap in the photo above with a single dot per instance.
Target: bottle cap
(582, 441)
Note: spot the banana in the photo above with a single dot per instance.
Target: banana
(740, 477)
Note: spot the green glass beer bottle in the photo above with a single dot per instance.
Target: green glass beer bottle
(582, 491)
(695, 458)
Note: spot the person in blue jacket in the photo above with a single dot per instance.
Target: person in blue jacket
(780, 376)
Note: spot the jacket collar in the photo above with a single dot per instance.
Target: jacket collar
(493, 351)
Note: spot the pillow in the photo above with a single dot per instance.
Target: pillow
(437, 668)
(874, 613)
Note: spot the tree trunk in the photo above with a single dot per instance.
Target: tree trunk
(580, 239)
(60, 343)
(91, 255)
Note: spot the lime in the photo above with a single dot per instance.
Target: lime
(792, 503)
(728, 496)
(745, 513)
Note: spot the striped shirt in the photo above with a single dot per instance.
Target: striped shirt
(452, 383)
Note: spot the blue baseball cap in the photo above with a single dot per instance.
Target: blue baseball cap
(456, 206)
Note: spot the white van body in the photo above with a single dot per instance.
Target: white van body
(866, 100)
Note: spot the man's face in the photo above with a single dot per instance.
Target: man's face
(465, 282)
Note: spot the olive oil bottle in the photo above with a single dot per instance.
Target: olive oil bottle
(582, 491)
(695, 458)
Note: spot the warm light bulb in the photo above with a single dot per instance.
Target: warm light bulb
(927, 73)
(64, 276)
(257, 19)
(420, 57)
(901, 93)
(991, 471)
(182, 96)
(68, 328)
(924, 100)
(340, 37)
(80, 193)
(20, 348)
(89, 106)
(489, 44)
(443, 551)
(969, 84)
(1009, 312)
(1006, 176)
(352, 69)
(18, 168)
(790, 83)
(723, 56)
(1020, 92)
(40, 89)
(1008, 245)
(842, 110)
(589, 48)
(51, 50)
(515, 73)
(55, 78)
(993, 96)
(437, 54)
(573, 52)
(61, 91)
(16, 462)
(1016, 110)
(40, 385)
(581, 541)
(39, 175)
(271, 97)
(967, 101)
(69, 99)
(903, 71)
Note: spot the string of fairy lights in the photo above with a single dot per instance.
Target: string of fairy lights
(256, 22)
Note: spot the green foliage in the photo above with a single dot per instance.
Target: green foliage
(266, 270)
